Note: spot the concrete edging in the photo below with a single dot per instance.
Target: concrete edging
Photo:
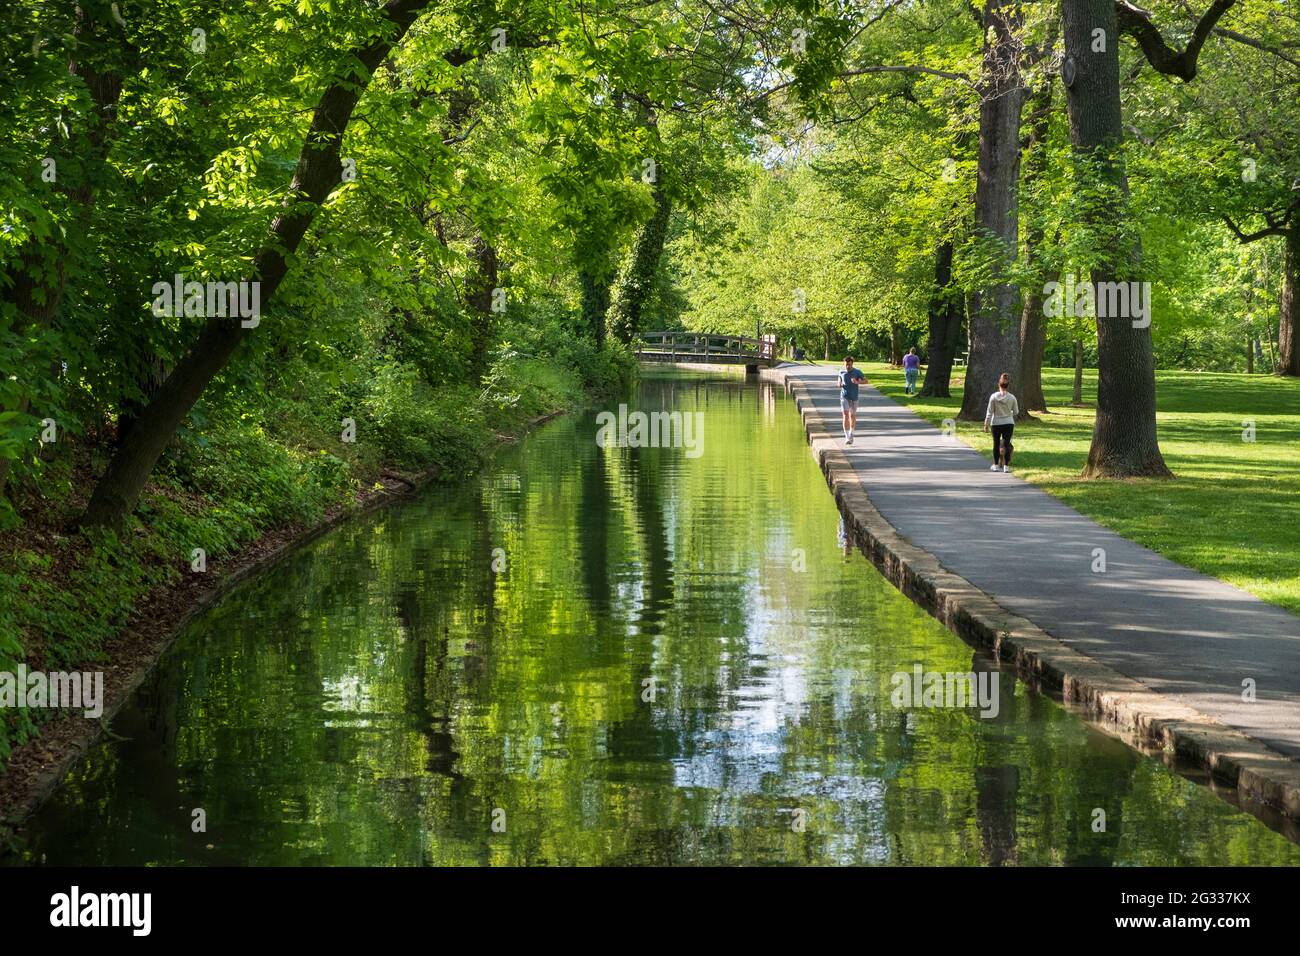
(1231, 756)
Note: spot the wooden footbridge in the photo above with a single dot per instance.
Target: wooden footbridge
(702, 348)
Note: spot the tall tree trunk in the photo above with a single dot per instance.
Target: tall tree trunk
(826, 343)
(637, 279)
(1033, 343)
(944, 326)
(1124, 440)
(895, 344)
(1288, 332)
(1033, 326)
(149, 379)
(316, 175)
(482, 282)
(595, 303)
(1078, 372)
(482, 285)
(994, 313)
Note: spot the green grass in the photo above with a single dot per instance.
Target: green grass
(1233, 508)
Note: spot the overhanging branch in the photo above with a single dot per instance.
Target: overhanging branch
(1275, 227)
(1138, 24)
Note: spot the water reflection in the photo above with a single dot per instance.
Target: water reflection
(616, 655)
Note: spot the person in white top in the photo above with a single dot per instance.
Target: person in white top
(1001, 414)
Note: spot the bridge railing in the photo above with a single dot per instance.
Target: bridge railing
(691, 345)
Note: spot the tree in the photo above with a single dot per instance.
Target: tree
(945, 317)
(317, 174)
(636, 281)
(32, 287)
(1124, 442)
(1033, 333)
(1252, 180)
(1124, 435)
(993, 311)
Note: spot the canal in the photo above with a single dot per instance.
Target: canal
(609, 655)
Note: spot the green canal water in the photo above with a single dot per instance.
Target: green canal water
(609, 655)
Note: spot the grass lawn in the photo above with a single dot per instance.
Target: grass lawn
(1233, 508)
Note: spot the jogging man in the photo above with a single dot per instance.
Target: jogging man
(849, 378)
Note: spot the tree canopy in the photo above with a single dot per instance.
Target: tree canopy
(430, 182)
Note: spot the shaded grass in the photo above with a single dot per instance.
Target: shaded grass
(1233, 508)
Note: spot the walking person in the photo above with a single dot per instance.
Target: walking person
(911, 367)
(849, 378)
(1001, 414)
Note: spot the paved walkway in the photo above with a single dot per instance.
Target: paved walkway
(1175, 630)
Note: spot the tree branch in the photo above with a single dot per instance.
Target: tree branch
(1257, 44)
(1138, 24)
(464, 134)
(1274, 227)
(928, 71)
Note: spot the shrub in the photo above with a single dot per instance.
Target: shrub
(417, 426)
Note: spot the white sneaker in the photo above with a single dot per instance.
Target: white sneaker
(848, 439)
(993, 467)
(1006, 469)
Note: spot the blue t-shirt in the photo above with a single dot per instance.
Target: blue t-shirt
(849, 378)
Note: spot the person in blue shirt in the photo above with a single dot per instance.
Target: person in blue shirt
(849, 378)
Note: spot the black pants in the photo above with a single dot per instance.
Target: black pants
(1002, 439)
